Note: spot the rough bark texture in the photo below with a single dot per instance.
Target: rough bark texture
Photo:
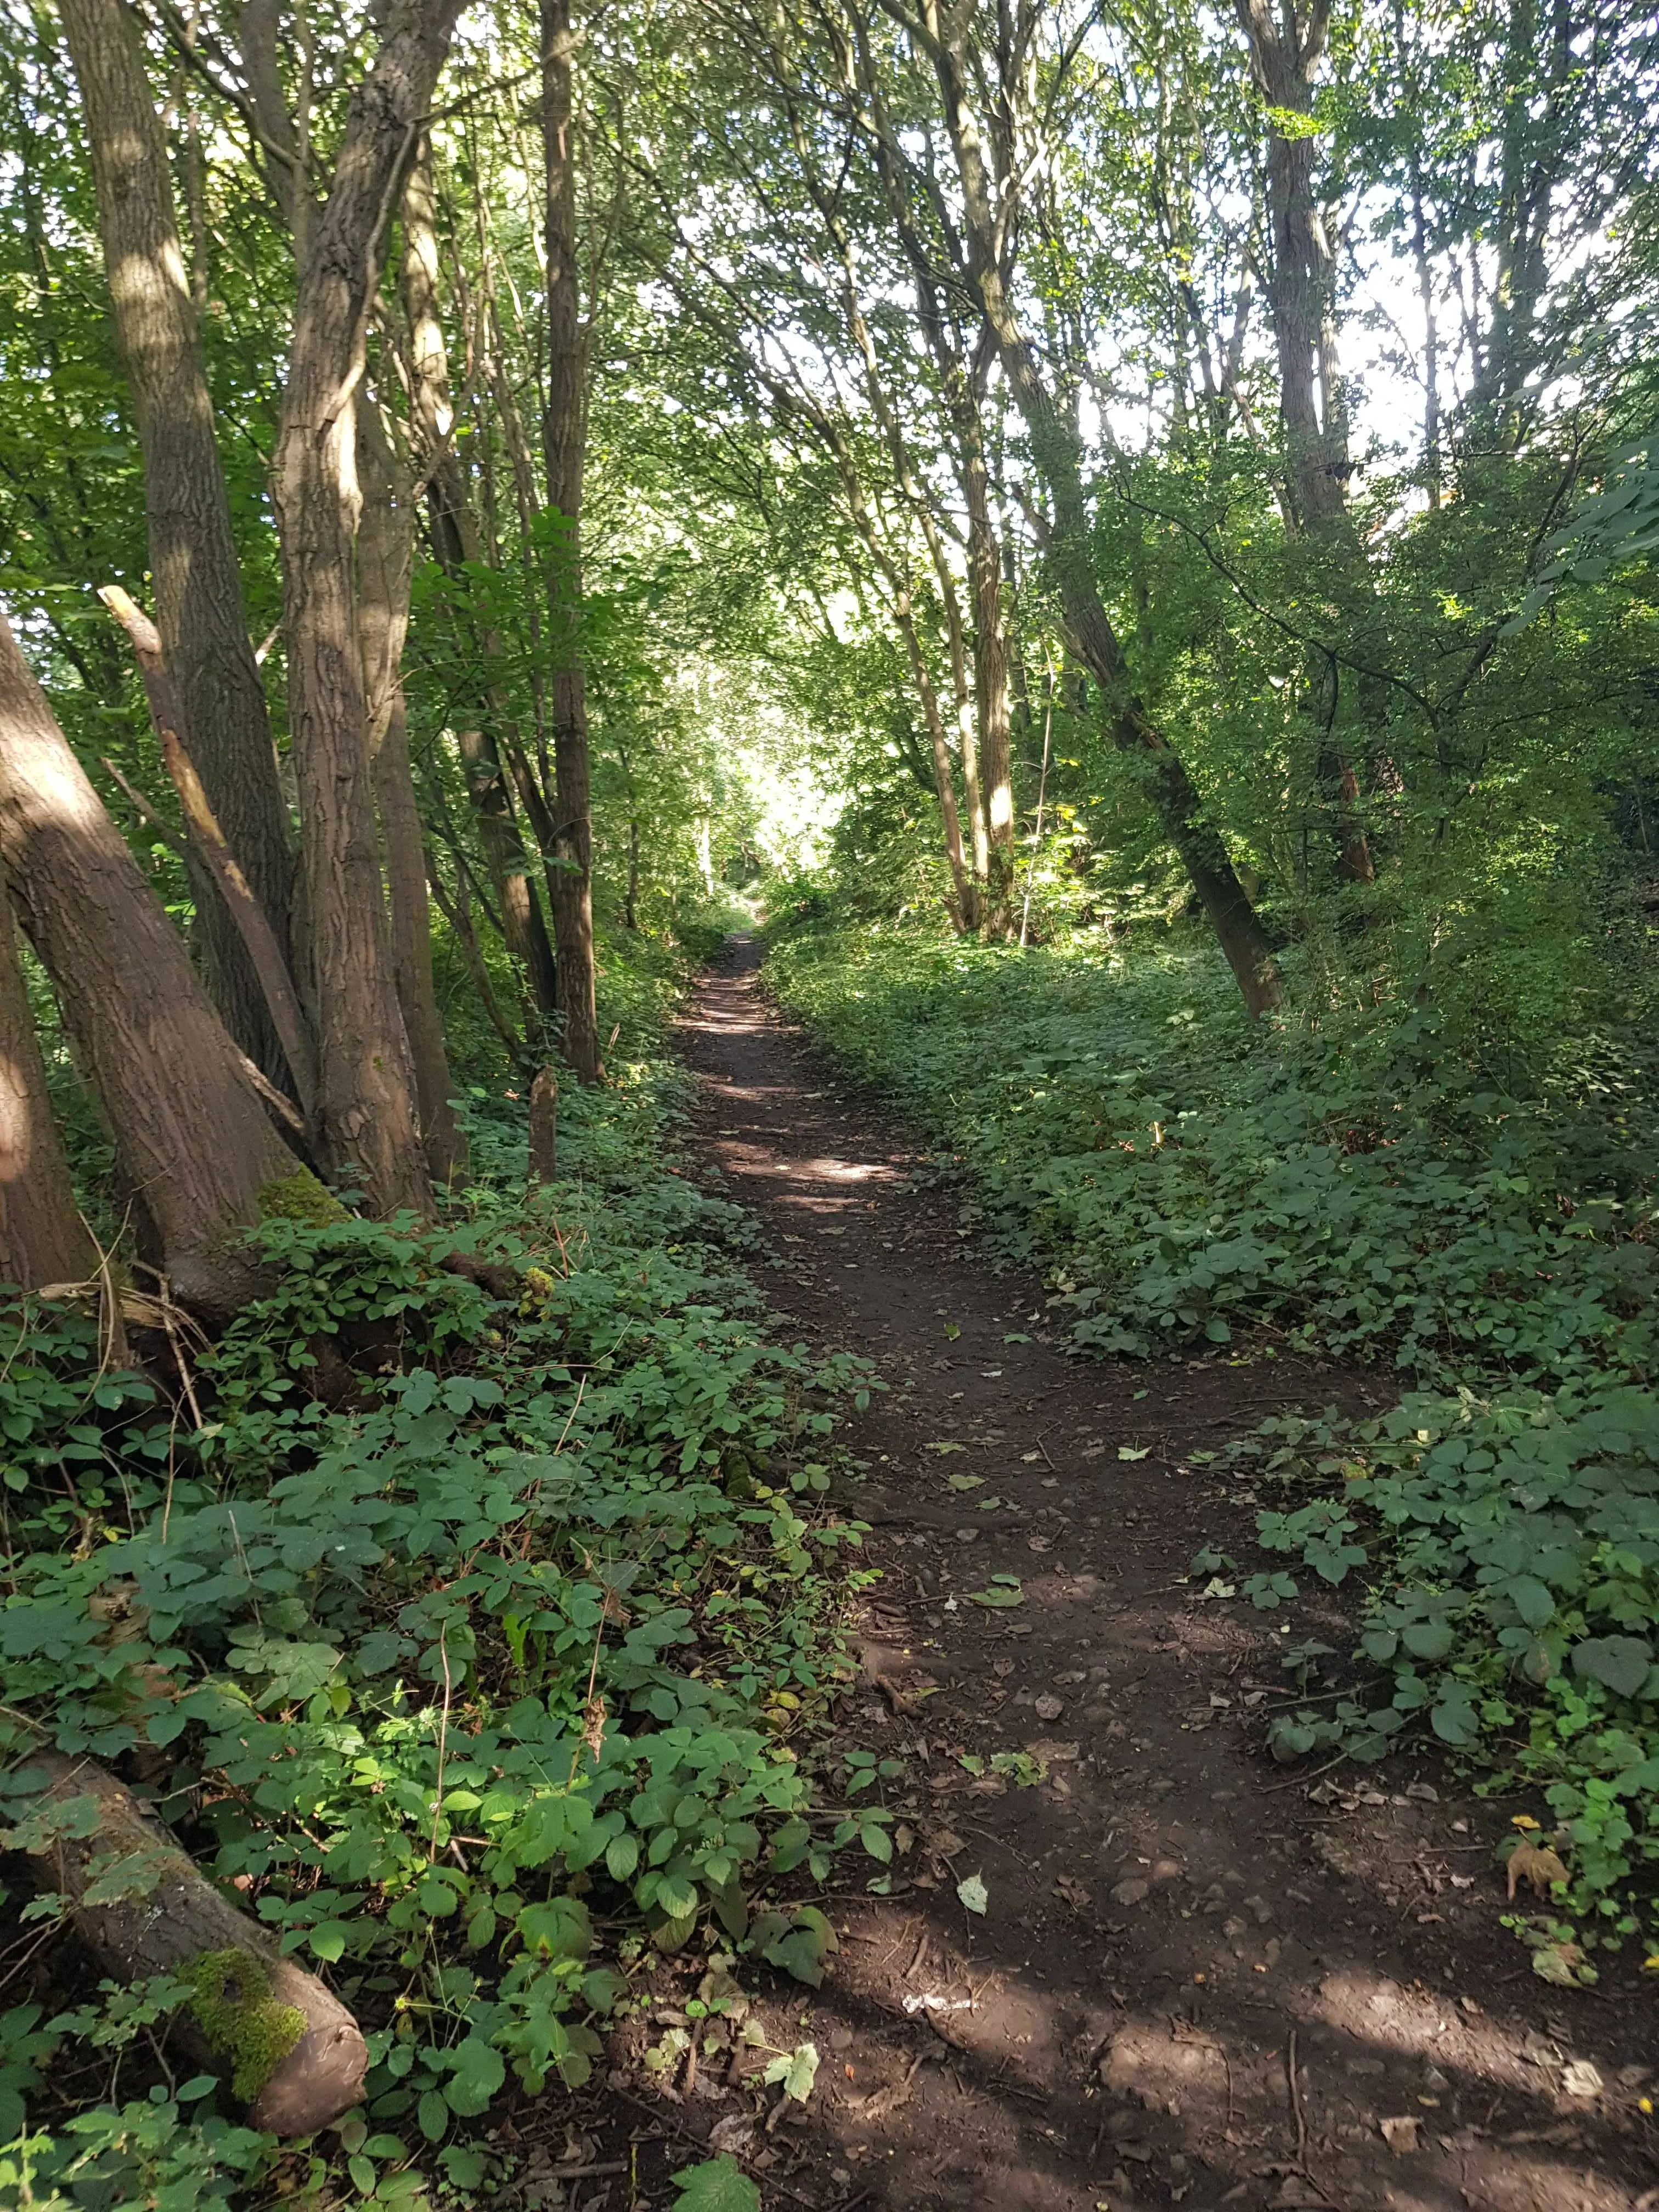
(385, 558)
(208, 844)
(191, 1134)
(564, 439)
(367, 1117)
(297, 2056)
(1168, 786)
(192, 551)
(545, 1126)
(43, 1238)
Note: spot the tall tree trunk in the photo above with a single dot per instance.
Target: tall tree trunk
(564, 440)
(1284, 47)
(43, 1238)
(192, 1136)
(1055, 447)
(192, 550)
(990, 671)
(368, 1115)
(385, 560)
(456, 542)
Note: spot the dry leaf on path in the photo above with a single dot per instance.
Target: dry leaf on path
(1049, 1707)
(1400, 2133)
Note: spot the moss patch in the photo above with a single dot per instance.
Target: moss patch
(243, 2023)
(299, 1197)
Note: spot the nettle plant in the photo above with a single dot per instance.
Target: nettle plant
(1510, 1546)
(465, 1628)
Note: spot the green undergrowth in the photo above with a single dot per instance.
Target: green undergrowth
(478, 1641)
(1396, 1185)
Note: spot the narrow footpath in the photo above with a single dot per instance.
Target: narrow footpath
(1197, 1979)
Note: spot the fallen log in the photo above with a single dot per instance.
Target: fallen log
(294, 2055)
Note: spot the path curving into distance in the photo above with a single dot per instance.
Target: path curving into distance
(1198, 1981)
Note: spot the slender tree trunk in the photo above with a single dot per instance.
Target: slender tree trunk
(990, 674)
(457, 542)
(192, 1135)
(367, 1117)
(385, 559)
(1055, 447)
(192, 550)
(1284, 47)
(564, 447)
(43, 1238)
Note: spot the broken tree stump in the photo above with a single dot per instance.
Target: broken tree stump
(543, 1126)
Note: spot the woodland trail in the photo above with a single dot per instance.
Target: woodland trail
(1198, 1981)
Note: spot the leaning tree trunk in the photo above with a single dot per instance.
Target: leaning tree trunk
(43, 1238)
(564, 443)
(367, 1116)
(192, 550)
(190, 1131)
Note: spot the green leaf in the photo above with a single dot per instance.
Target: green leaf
(973, 1894)
(797, 2069)
(433, 2113)
(477, 2070)
(361, 2171)
(721, 2185)
(1620, 1661)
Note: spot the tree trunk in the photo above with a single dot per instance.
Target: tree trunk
(385, 556)
(564, 440)
(990, 674)
(43, 1238)
(296, 2057)
(456, 541)
(1054, 448)
(192, 1135)
(1284, 50)
(367, 1116)
(192, 550)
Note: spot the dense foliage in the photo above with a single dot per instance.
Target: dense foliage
(476, 1641)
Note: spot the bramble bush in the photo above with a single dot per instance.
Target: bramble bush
(1393, 1185)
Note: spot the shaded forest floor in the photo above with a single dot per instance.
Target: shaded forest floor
(1196, 1980)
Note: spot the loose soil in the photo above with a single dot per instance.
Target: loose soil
(1199, 1979)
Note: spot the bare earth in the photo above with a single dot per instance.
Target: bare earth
(1194, 1983)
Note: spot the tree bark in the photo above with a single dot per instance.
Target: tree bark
(296, 2056)
(43, 1238)
(192, 1135)
(564, 440)
(367, 1117)
(385, 560)
(207, 842)
(192, 550)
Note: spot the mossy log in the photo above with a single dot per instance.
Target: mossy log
(293, 2054)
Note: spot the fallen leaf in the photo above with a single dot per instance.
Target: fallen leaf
(1132, 1892)
(1073, 1892)
(1580, 2079)
(1400, 2133)
(973, 1894)
(965, 1481)
(1133, 1451)
(1559, 1964)
(1049, 1707)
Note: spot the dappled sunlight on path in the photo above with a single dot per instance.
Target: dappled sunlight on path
(1196, 1981)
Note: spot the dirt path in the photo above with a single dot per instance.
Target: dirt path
(1193, 1982)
